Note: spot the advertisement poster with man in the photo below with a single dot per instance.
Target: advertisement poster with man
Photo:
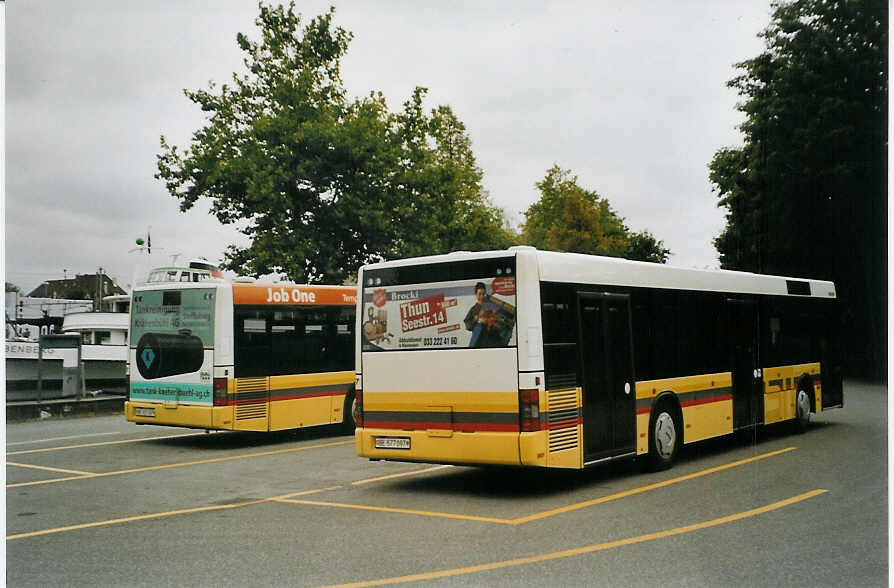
(445, 315)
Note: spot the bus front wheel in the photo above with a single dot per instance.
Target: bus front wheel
(664, 437)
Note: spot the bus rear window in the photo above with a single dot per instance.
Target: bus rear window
(472, 305)
(172, 312)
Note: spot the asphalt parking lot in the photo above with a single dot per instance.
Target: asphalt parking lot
(101, 502)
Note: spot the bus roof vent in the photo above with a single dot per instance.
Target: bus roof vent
(243, 280)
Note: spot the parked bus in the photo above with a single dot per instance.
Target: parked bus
(210, 354)
(535, 358)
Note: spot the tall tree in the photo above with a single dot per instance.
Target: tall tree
(806, 193)
(568, 217)
(322, 183)
(440, 186)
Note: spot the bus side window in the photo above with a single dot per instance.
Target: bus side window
(284, 339)
(252, 343)
(642, 334)
(558, 317)
(342, 354)
(664, 323)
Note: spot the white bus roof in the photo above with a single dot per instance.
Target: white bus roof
(612, 271)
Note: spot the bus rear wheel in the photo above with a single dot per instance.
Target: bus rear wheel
(664, 438)
(802, 410)
(348, 425)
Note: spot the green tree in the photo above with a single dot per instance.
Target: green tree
(643, 246)
(806, 195)
(440, 185)
(319, 182)
(568, 217)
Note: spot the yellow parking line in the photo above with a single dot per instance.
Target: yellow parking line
(158, 515)
(61, 438)
(180, 465)
(49, 469)
(641, 489)
(587, 549)
(427, 513)
(400, 475)
(102, 444)
(546, 513)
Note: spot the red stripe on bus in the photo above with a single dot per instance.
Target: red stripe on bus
(244, 401)
(562, 424)
(298, 396)
(698, 401)
(309, 395)
(695, 402)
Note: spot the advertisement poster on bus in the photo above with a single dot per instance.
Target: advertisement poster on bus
(173, 333)
(460, 314)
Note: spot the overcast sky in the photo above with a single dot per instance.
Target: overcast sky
(630, 96)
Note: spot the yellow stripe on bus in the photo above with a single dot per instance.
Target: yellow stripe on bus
(681, 385)
(459, 401)
(310, 380)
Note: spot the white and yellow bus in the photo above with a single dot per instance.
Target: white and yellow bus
(245, 356)
(535, 358)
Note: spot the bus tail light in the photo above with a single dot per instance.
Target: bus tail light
(529, 409)
(220, 391)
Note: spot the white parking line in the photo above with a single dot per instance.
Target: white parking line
(48, 469)
(102, 443)
(60, 438)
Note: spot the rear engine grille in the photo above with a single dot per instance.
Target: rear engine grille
(562, 439)
(564, 415)
(251, 398)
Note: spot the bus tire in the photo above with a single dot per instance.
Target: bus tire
(665, 435)
(802, 407)
(348, 423)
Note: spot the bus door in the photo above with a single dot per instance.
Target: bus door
(608, 396)
(748, 382)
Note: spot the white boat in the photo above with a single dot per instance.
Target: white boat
(104, 343)
(22, 365)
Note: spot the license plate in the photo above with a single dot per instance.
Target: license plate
(392, 442)
(146, 412)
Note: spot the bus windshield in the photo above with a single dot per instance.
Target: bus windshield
(405, 309)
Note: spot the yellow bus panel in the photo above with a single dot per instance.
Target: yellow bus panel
(178, 415)
(459, 448)
(483, 402)
(703, 421)
(705, 400)
(780, 390)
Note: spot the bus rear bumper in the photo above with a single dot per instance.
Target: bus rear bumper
(439, 446)
(178, 415)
